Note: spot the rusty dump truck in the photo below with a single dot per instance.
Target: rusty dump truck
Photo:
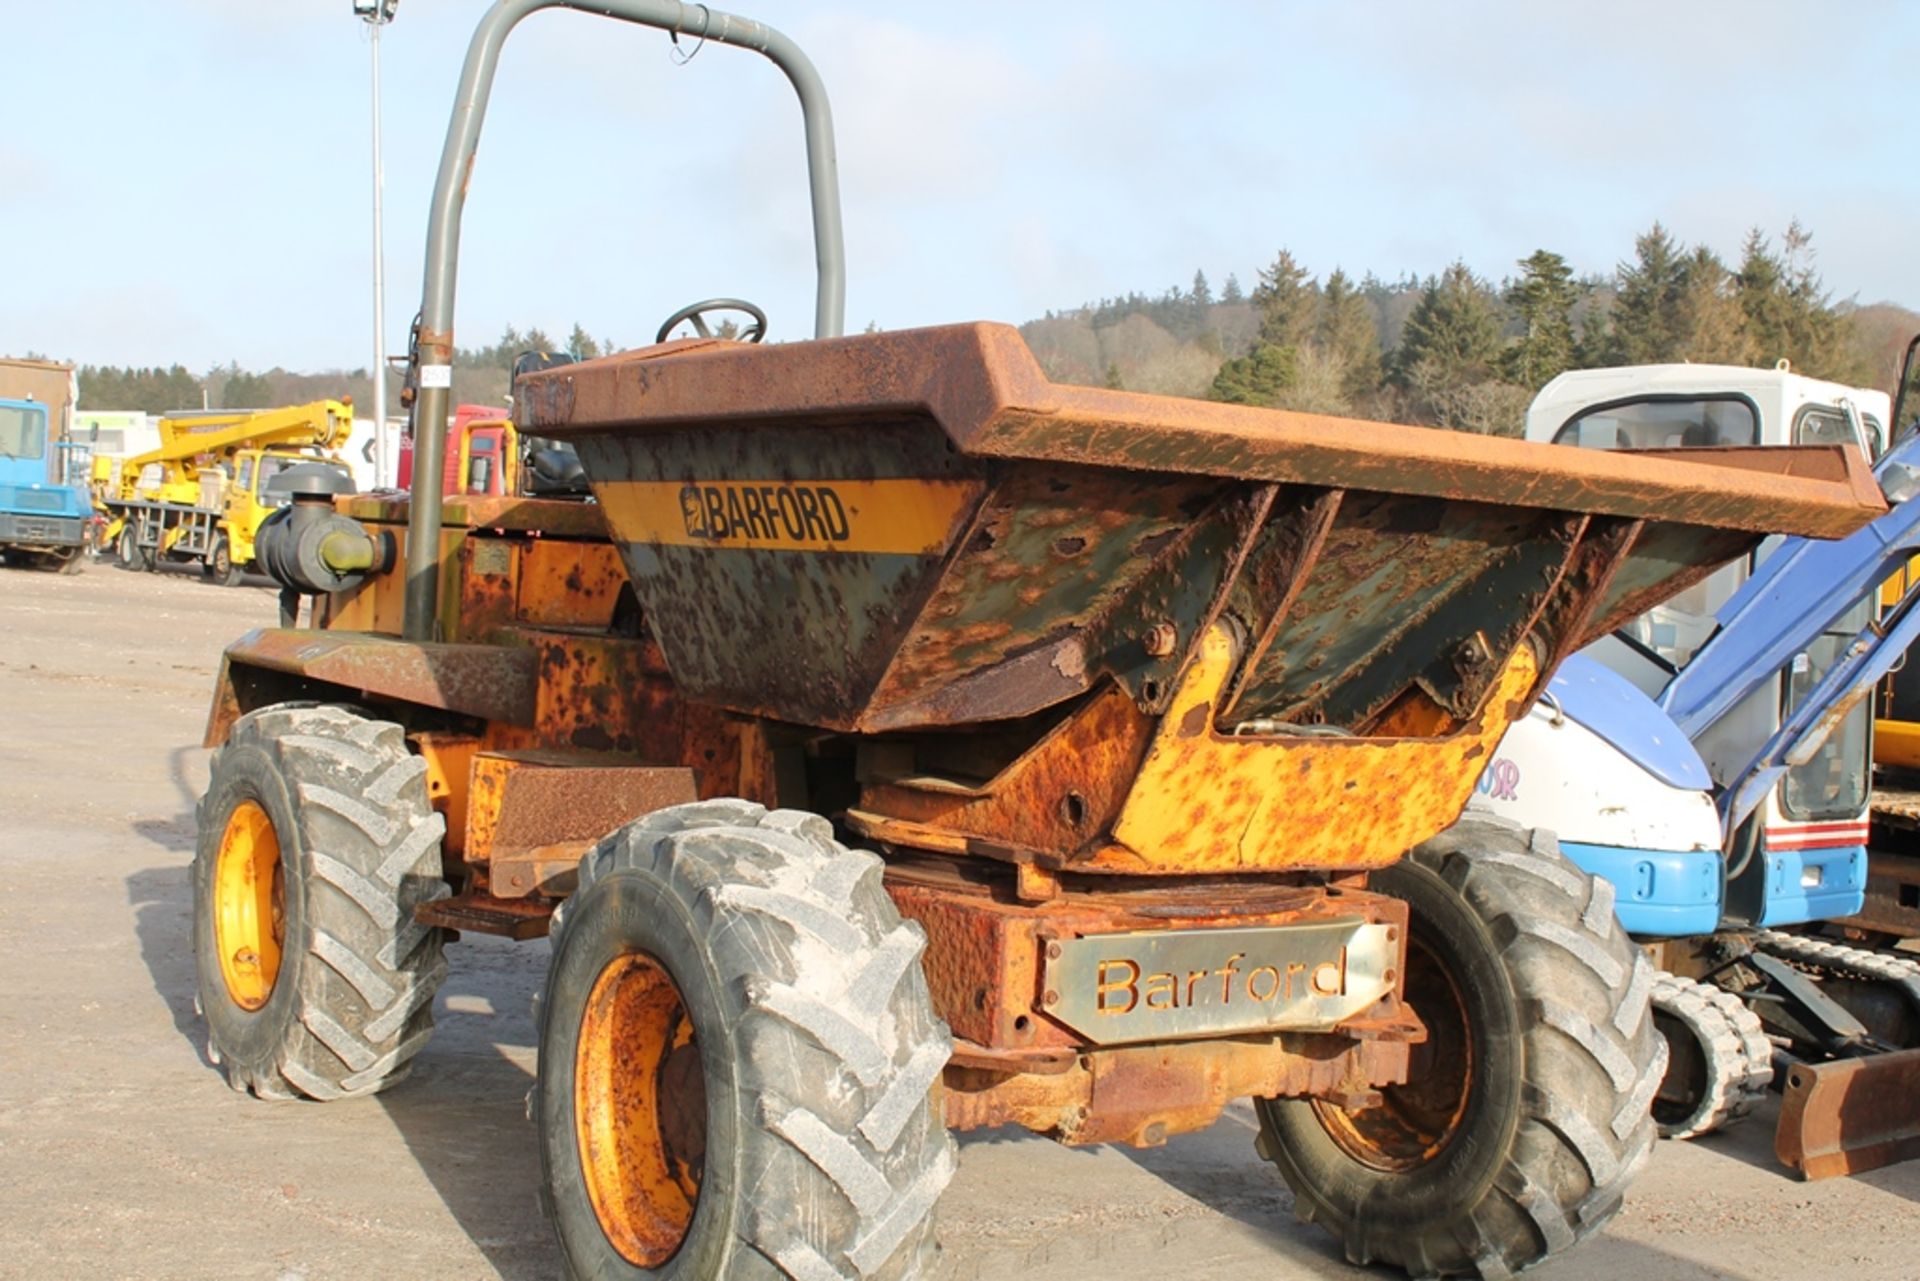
(897, 743)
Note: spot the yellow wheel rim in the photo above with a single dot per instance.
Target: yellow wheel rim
(249, 906)
(1415, 1122)
(640, 1110)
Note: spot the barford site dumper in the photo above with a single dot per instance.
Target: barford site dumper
(901, 743)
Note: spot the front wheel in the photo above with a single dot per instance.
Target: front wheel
(317, 843)
(220, 566)
(1527, 1110)
(739, 1062)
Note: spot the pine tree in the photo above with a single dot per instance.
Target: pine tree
(246, 391)
(1646, 310)
(1202, 294)
(580, 344)
(1231, 292)
(1258, 378)
(1447, 352)
(1760, 287)
(1711, 324)
(1820, 338)
(1345, 331)
(1543, 300)
(1286, 300)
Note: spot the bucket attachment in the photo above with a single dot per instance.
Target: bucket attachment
(1849, 1115)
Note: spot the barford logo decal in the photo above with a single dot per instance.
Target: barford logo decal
(811, 513)
(889, 515)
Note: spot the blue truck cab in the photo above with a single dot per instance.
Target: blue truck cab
(41, 519)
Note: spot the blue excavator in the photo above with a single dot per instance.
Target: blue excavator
(1713, 765)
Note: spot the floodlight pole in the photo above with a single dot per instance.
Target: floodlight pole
(377, 15)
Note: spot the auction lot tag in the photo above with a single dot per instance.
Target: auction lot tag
(1167, 984)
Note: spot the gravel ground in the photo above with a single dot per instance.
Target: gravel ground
(123, 1154)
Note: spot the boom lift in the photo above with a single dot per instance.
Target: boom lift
(202, 495)
(902, 743)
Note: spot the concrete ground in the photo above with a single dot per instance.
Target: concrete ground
(123, 1154)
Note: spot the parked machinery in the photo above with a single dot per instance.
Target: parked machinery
(1710, 760)
(1152, 714)
(202, 495)
(44, 518)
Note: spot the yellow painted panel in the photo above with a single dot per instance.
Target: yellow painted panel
(1204, 802)
(911, 516)
(1896, 743)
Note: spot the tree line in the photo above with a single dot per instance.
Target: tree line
(480, 375)
(1455, 350)
(1450, 349)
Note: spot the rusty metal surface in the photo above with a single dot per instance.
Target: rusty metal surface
(986, 949)
(552, 517)
(604, 694)
(486, 681)
(562, 583)
(803, 627)
(520, 801)
(991, 546)
(518, 573)
(1404, 592)
(1049, 553)
(1849, 1115)
(1666, 559)
(1142, 1095)
(984, 387)
(551, 871)
(1054, 799)
(1208, 801)
(518, 919)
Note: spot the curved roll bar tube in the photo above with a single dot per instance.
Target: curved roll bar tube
(433, 352)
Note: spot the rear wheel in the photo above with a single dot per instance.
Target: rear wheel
(316, 844)
(1526, 1111)
(129, 551)
(739, 1062)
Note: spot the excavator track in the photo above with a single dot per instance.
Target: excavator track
(1827, 956)
(1720, 1061)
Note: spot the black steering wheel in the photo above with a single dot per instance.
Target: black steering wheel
(694, 311)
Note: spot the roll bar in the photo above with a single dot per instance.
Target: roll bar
(431, 355)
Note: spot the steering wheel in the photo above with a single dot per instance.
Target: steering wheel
(694, 311)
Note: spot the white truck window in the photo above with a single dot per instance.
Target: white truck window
(1664, 422)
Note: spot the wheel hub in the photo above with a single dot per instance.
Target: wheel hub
(249, 906)
(640, 1110)
(1414, 1123)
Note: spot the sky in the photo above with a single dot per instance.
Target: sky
(191, 181)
